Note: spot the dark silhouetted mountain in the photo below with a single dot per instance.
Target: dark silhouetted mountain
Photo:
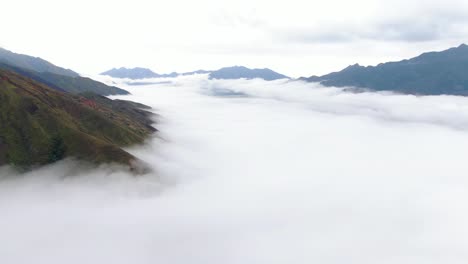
(40, 125)
(431, 73)
(142, 73)
(32, 63)
(238, 72)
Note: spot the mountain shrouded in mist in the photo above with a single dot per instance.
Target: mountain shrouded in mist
(134, 73)
(181, 132)
(144, 73)
(240, 72)
(235, 72)
(260, 178)
(431, 73)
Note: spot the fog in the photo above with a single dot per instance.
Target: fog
(248, 171)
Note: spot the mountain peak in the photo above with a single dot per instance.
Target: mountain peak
(131, 73)
(353, 67)
(239, 72)
(143, 73)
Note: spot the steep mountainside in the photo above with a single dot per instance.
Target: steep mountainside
(32, 63)
(432, 73)
(238, 72)
(40, 125)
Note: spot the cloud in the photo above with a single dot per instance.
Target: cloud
(447, 111)
(417, 26)
(290, 172)
(391, 31)
(404, 31)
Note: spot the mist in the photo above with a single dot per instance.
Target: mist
(249, 171)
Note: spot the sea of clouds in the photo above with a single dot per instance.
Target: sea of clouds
(248, 172)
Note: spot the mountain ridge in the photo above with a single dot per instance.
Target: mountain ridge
(40, 125)
(33, 63)
(54, 76)
(430, 73)
(140, 73)
(239, 72)
(233, 72)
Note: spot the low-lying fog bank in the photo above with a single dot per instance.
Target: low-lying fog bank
(258, 172)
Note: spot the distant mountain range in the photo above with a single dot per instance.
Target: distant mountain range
(432, 73)
(235, 72)
(136, 73)
(196, 72)
(240, 72)
(54, 76)
(144, 73)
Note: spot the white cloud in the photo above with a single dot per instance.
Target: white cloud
(293, 173)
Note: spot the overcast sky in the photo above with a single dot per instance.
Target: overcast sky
(294, 37)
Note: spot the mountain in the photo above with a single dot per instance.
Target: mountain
(54, 76)
(40, 125)
(195, 72)
(142, 73)
(32, 63)
(238, 72)
(65, 83)
(134, 73)
(431, 73)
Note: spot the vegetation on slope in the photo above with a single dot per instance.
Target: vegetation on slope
(40, 125)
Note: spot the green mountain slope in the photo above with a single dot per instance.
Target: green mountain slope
(40, 125)
(432, 73)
